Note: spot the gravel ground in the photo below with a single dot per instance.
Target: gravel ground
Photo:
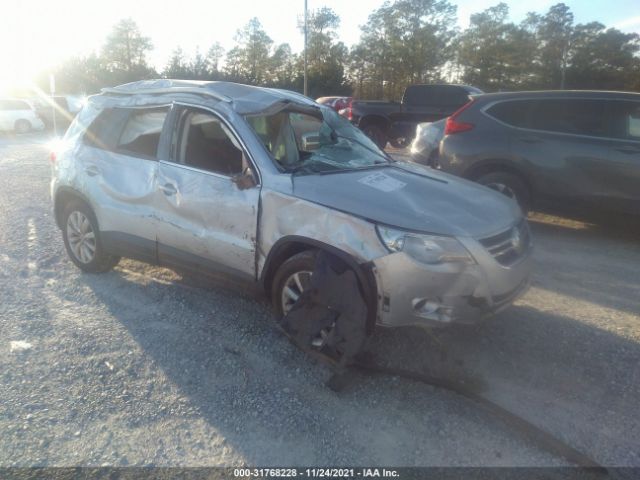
(143, 366)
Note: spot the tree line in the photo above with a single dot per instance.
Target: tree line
(403, 42)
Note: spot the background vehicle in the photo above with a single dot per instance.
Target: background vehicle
(577, 147)
(425, 147)
(66, 108)
(19, 116)
(337, 103)
(396, 122)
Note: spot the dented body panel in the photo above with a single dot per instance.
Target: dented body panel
(181, 215)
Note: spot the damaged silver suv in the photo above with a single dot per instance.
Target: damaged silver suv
(255, 182)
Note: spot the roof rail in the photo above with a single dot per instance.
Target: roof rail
(156, 91)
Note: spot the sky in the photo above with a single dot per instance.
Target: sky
(37, 34)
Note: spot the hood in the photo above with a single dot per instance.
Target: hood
(412, 197)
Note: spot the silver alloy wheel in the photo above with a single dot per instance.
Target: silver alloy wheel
(81, 237)
(503, 189)
(293, 288)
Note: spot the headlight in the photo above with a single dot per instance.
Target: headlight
(430, 249)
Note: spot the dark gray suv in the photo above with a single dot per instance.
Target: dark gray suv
(570, 146)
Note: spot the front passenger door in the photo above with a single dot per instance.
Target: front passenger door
(207, 219)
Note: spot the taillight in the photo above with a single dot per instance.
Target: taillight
(452, 125)
(52, 157)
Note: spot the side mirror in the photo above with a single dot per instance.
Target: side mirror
(245, 179)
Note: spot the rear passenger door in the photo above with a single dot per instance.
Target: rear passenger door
(117, 171)
(206, 219)
(565, 142)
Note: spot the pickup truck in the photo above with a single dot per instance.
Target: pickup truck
(396, 123)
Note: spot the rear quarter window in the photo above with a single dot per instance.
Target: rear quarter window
(134, 132)
(513, 112)
(141, 133)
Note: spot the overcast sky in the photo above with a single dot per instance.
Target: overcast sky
(36, 34)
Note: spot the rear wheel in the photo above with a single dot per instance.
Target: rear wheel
(376, 134)
(510, 186)
(22, 126)
(82, 239)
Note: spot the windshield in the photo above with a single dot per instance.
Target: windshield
(315, 140)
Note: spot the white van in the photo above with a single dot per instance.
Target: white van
(18, 116)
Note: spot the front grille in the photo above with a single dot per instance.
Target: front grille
(509, 246)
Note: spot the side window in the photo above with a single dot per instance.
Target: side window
(576, 116)
(206, 143)
(625, 120)
(513, 112)
(418, 95)
(105, 129)
(141, 133)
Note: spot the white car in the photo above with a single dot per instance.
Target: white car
(18, 116)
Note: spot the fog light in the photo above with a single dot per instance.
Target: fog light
(424, 306)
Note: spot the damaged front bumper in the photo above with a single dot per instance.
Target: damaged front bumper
(415, 293)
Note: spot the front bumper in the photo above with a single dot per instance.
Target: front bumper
(413, 293)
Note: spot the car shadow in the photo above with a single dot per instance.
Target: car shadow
(224, 354)
(571, 378)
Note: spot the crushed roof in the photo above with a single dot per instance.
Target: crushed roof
(243, 98)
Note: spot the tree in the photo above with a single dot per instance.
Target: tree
(554, 32)
(326, 56)
(214, 56)
(495, 54)
(199, 68)
(177, 66)
(249, 60)
(282, 69)
(403, 42)
(603, 58)
(126, 49)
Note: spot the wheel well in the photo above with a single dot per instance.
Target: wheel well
(476, 172)
(286, 248)
(62, 198)
(376, 120)
(278, 256)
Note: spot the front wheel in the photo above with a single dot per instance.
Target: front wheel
(510, 186)
(82, 239)
(291, 279)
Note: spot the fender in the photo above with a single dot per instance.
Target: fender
(292, 244)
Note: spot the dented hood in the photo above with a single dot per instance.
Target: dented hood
(411, 197)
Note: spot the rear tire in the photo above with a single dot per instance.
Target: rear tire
(22, 126)
(509, 185)
(82, 239)
(376, 134)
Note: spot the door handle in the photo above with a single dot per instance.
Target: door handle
(629, 150)
(168, 189)
(92, 170)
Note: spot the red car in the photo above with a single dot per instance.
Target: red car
(337, 103)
